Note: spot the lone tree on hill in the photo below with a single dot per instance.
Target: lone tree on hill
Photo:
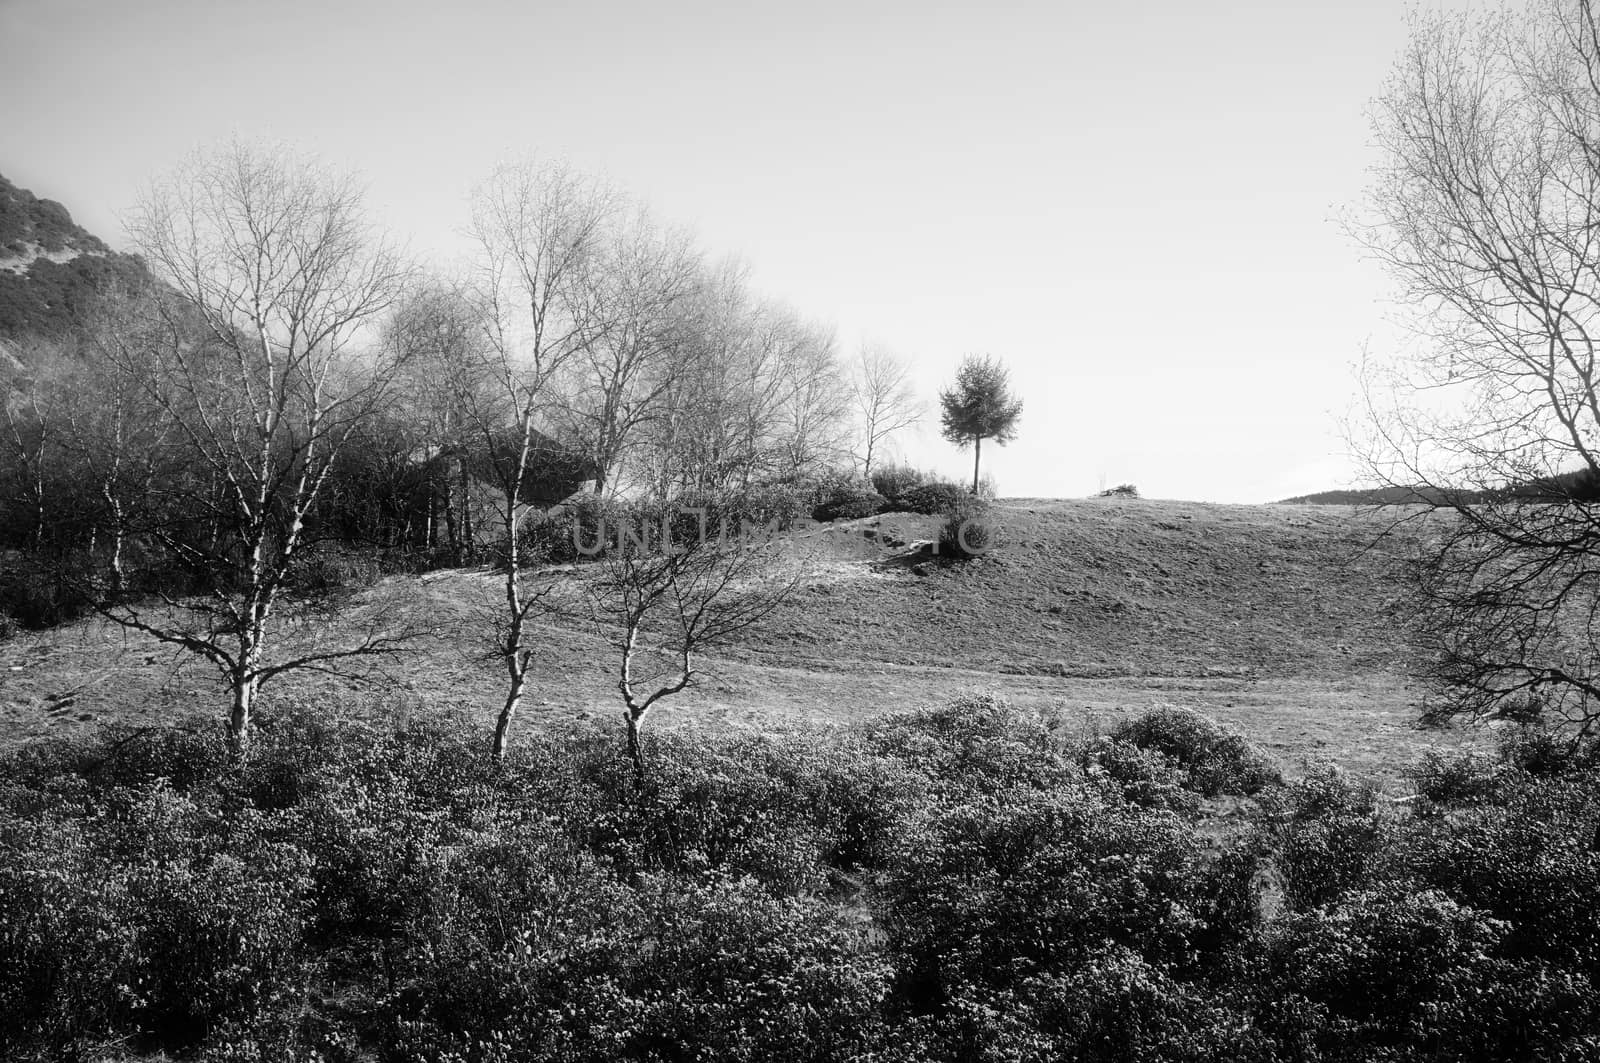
(980, 406)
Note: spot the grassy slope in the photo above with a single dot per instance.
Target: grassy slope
(1267, 617)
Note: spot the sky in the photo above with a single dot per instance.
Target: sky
(1135, 207)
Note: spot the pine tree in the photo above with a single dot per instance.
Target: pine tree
(980, 406)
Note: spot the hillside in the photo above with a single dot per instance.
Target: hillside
(1267, 617)
(50, 266)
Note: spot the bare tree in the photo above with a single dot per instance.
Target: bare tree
(274, 261)
(84, 443)
(813, 422)
(691, 441)
(1485, 209)
(758, 395)
(885, 401)
(679, 582)
(449, 370)
(32, 436)
(538, 229)
(638, 291)
(117, 435)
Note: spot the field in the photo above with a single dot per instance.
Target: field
(1271, 619)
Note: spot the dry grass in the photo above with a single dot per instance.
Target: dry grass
(1268, 618)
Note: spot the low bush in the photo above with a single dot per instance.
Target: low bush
(930, 498)
(968, 531)
(578, 530)
(1119, 491)
(1216, 761)
(850, 502)
(326, 568)
(976, 744)
(731, 512)
(589, 528)
(780, 505)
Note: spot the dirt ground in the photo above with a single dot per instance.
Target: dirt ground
(1269, 618)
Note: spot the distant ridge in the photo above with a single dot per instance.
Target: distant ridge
(1581, 485)
(1367, 496)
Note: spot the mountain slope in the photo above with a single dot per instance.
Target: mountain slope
(50, 267)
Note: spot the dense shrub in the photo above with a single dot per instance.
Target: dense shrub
(585, 971)
(1029, 882)
(575, 531)
(1398, 973)
(1146, 777)
(36, 593)
(1530, 859)
(329, 567)
(731, 512)
(963, 883)
(932, 498)
(1452, 779)
(707, 813)
(977, 743)
(588, 528)
(1215, 761)
(968, 530)
(1543, 751)
(1335, 840)
(152, 917)
(850, 502)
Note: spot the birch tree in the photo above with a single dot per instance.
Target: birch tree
(32, 440)
(271, 260)
(538, 230)
(680, 582)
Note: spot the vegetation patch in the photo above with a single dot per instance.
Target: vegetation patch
(959, 883)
